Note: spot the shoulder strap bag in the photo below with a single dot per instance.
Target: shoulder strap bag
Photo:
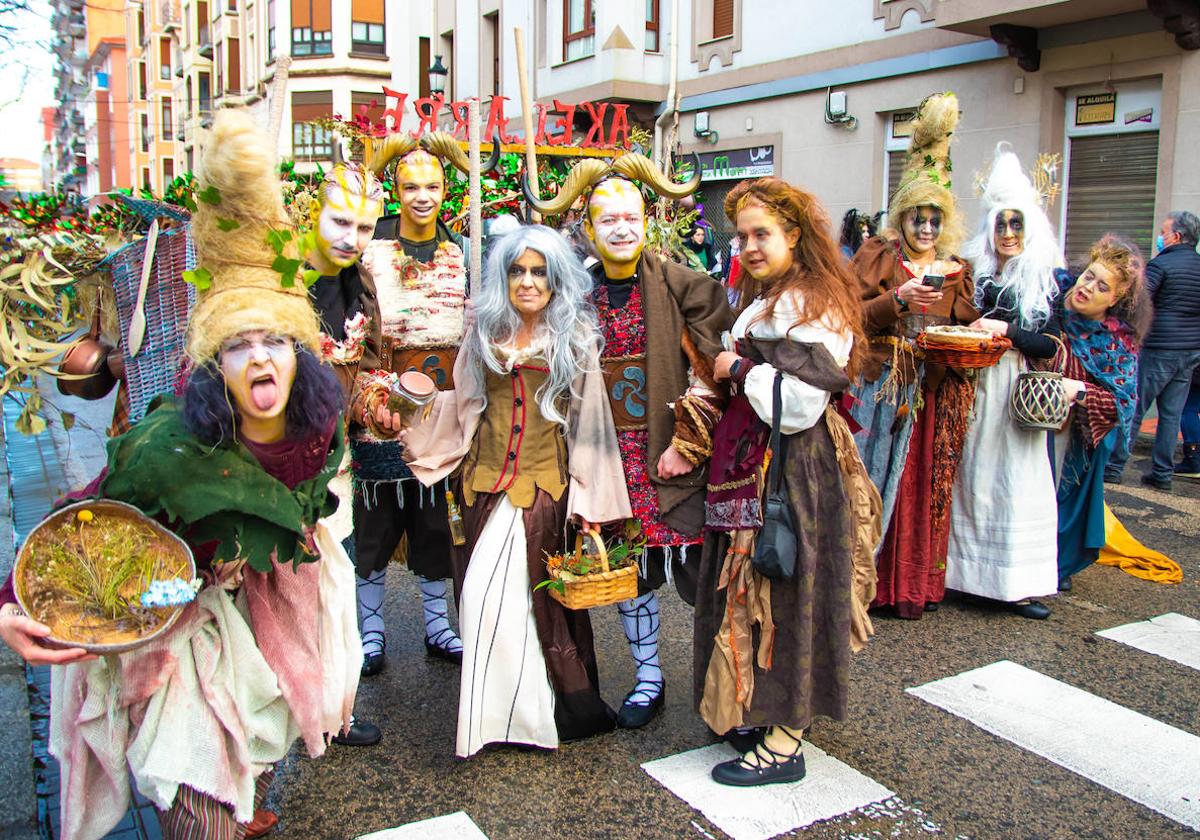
(775, 548)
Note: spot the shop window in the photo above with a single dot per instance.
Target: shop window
(311, 28)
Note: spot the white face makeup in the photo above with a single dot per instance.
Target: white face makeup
(259, 369)
(528, 286)
(616, 223)
(922, 227)
(345, 225)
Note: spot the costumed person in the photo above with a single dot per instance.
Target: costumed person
(1003, 518)
(268, 651)
(1105, 313)
(914, 415)
(415, 292)
(529, 423)
(799, 342)
(856, 228)
(661, 324)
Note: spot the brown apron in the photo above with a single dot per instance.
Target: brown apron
(625, 384)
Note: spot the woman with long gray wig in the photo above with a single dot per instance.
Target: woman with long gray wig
(530, 426)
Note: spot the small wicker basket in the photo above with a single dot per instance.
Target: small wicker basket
(599, 589)
(1039, 400)
(979, 353)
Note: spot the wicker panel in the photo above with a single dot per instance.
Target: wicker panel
(1039, 400)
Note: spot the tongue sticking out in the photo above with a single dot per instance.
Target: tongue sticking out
(263, 394)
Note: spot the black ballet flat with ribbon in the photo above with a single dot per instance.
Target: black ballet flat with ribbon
(373, 663)
(435, 647)
(772, 768)
(636, 715)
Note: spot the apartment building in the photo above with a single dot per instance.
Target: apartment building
(107, 120)
(151, 64)
(820, 93)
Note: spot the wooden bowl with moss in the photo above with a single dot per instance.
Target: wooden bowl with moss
(83, 570)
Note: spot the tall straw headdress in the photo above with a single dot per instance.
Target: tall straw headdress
(241, 206)
(927, 171)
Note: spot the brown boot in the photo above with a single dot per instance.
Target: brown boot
(263, 823)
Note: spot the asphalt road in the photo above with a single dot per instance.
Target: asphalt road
(950, 777)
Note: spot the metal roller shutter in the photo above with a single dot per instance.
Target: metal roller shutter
(1110, 188)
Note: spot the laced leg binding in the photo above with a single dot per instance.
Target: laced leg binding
(766, 757)
(438, 631)
(640, 618)
(370, 617)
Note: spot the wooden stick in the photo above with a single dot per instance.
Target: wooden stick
(475, 196)
(527, 120)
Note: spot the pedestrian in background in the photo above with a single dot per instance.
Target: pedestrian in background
(856, 228)
(1189, 423)
(1171, 350)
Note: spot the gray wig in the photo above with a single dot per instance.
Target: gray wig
(568, 324)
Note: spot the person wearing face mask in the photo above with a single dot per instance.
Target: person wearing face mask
(415, 285)
(914, 414)
(268, 651)
(661, 324)
(798, 342)
(1105, 311)
(530, 431)
(1170, 351)
(1003, 519)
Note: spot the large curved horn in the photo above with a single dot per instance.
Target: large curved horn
(378, 152)
(494, 158)
(339, 153)
(443, 144)
(637, 166)
(582, 175)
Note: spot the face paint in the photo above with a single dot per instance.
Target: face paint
(766, 247)
(616, 223)
(528, 286)
(1008, 236)
(922, 227)
(345, 226)
(420, 188)
(1094, 292)
(259, 369)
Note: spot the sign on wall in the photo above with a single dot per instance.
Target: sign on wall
(1096, 108)
(733, 164)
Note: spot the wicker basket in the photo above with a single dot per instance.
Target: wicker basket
(1039, 400)
(595, 590)
(982, 353)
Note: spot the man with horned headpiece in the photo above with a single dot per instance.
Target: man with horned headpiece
(662, 326)
(413, 292)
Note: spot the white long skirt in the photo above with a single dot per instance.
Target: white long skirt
(505, 694)
(1004, 518)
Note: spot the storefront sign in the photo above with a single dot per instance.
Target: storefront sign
(1141, 115)
(902, 123)
(732, 165)
(1096, 108)
(555, 126)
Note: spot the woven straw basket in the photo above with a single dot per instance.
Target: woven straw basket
(598, 589)
(1039, 400)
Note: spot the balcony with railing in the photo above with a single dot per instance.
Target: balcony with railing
(169, 15)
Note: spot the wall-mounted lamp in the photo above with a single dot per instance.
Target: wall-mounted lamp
(836, 112)
(700, 127)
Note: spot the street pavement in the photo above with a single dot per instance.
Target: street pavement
(970, 723)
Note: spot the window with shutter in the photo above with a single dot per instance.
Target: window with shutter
(164, 59)
(167, 107)
(722, 18)
(311, 142)
(895, 167)
(366, 26)
(1110, 188)
(235, 66)
(373, 103)
(424, 62)
(311, 28)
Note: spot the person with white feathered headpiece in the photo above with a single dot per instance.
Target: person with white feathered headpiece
(1003, 525)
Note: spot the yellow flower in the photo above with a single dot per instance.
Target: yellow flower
(84, 516)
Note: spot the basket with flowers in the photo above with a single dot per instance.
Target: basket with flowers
(580, 580)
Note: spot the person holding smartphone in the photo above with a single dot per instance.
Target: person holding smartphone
(914, 414)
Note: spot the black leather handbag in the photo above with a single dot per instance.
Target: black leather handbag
(775, 548)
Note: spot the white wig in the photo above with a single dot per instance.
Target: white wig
(1027, 280)
(568, 324)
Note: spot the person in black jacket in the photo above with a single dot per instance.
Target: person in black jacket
(1171, 350)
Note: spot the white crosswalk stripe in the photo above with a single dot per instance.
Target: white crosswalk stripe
(829, 789)
(1171, 636)
(1134, 755)
(456, 826)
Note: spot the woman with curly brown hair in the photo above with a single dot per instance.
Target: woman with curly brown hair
(1105, 313)
(798, 342)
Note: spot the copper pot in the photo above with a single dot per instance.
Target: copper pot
(87, 357)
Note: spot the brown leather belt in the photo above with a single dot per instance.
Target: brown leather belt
(625, 384)
(435, 362)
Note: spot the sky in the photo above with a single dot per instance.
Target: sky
(27, 85)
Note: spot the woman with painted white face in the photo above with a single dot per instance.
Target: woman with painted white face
(1003, 517)
(1105, 314)
(269, 650)
(530, 425)
(914, 414)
